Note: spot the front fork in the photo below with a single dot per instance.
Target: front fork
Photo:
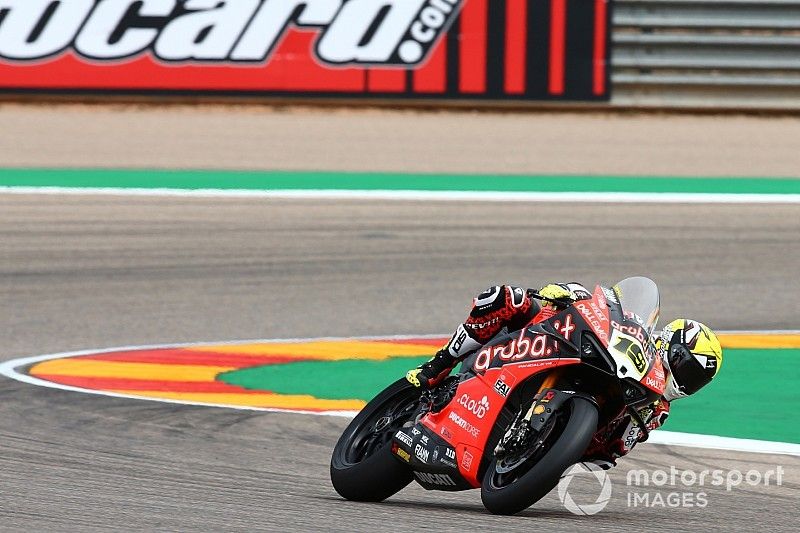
(549, 382)
(547, 401)
(521, 430)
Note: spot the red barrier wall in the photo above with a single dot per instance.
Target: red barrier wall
(425, 49)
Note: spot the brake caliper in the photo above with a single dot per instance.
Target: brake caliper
(519, 436)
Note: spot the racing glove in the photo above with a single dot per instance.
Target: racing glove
(557, 292)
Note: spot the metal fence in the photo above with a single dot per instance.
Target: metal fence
(707, 53)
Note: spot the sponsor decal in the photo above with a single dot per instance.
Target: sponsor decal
(633, 316)
(656, 378)
(502, 387)
(482, 325)
(610, 295)
(458, 339)
(415, 431)
(435, 479)
(567, 328)
(424, 439)
(600, 296)
(632, 437)
(598, 311)
(518, 349)
(445, 456)
(421, 453)
(537, 364)
(352, 32)
(446, 433)
(594, 320)
(463, 424)
(425, 48)
(634, 331)
(654, 383)
(479, 408)
(405, 439)
(466, 461)
(401, 453)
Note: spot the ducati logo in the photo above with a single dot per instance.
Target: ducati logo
(361, 32)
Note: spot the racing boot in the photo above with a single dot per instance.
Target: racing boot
(431, 373)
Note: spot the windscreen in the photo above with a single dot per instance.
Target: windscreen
(639, 296)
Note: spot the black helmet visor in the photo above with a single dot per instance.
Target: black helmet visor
(689, 373)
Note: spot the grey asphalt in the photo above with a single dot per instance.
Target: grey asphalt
(93, 272)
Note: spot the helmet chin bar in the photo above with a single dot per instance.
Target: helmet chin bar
(672, 392)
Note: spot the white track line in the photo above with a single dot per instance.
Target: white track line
(675, 438)
(422, 196)
(9, 369)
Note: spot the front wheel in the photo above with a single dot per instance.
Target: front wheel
(363, 467)
(511, 490)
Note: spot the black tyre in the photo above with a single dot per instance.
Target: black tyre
(514, 491)
(363, 467)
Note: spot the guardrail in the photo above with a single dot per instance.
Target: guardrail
(706, 53)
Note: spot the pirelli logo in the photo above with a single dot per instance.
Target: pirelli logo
(510, 49)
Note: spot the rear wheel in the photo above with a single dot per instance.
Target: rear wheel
(516, 483)
(363, 467)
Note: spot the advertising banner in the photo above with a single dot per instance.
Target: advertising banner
(422, 49)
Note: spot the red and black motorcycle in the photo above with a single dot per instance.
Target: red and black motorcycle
(520, 411)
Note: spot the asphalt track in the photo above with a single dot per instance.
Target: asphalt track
(86, 272)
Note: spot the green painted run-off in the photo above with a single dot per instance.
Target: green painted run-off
(262, 181)
(755, 396)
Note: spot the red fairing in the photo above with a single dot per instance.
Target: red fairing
(595, 312)
(468, 420)
(655, 380)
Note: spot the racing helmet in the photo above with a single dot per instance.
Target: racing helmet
(692, 354)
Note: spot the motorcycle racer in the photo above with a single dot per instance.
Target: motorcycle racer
(690, 351)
